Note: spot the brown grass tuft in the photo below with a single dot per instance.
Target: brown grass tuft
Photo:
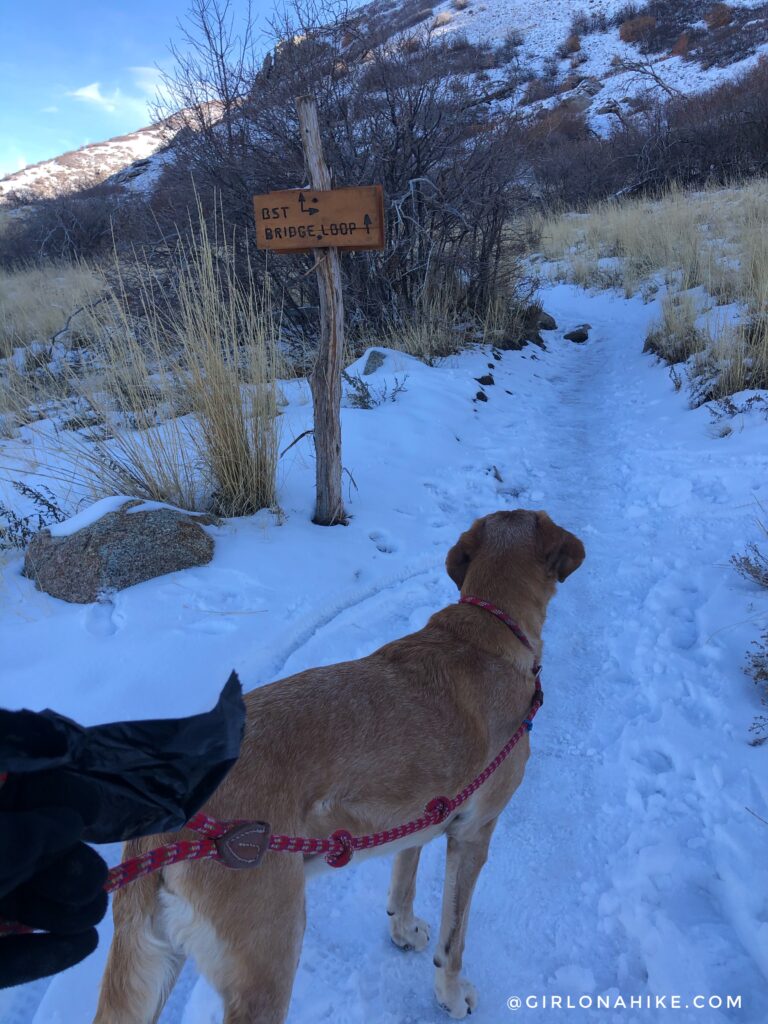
(571, 45)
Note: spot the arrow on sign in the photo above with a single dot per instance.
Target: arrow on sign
(312, 210)
(367, 221)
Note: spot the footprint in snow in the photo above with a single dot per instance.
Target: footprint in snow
(101, 618)
(654, 761)
(383, 542)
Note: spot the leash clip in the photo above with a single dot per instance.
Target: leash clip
(244, 845)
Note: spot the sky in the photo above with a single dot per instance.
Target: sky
(79, 71)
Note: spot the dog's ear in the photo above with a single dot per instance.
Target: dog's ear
(463, 551)
(562, 552)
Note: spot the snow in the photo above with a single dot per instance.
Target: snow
(627, 864)
(91, 163)
(545, 24)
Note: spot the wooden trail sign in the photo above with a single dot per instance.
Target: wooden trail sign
(299, 219)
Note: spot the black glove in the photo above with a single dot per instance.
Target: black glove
(101, 784)
(52, 881)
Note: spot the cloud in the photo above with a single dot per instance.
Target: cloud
(92, 94)
(49, 110)
(146, 81)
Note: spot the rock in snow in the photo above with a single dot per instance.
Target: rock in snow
(578, 334)
(117, 551)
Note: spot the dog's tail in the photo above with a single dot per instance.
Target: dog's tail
(142, 965)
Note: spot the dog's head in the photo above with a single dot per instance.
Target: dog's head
(521, 543)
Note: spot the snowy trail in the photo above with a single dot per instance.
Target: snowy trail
(626, 863)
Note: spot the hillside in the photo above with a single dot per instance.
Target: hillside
(128, 157)
(604, 58)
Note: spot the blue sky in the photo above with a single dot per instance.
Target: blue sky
(78, 71)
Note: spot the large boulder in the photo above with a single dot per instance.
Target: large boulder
(120, 549)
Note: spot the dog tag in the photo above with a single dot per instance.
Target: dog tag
(244, 845)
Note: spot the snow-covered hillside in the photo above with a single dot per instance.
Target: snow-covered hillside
(130, 157)
(588, 78)
(627, 865)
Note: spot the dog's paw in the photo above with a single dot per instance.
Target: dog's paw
(456, 996)
(409, 933)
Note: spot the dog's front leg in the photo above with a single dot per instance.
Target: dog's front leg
(464, 859)
(406, 931)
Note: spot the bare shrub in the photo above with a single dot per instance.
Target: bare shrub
(73, 227)
(682, 46)
(442, 19)
(461, 5)
(584, 23)
(634, 30)
(539, 89)
(719, 16)
(627, 12)
(757, 666)
(752, 565)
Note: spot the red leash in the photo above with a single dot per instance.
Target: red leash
(242, 844)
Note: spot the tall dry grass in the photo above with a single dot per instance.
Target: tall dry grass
(177, 399)
(35, 302)
(714, 240)
(674, 336)
(431, 332)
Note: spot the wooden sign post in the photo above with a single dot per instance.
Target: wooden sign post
(323, 220)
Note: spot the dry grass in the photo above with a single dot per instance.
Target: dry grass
(438, 329)
(675, 337)
(429, 334)
(36, 302)
(716, 240)
(178, 402)
(571, 45)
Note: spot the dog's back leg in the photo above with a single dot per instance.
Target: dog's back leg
(244, 930)
(143, 964)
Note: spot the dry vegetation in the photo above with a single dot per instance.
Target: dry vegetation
(708, 249)
(752, 564)
(35, 302)
(174, 396)
(634, 30)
